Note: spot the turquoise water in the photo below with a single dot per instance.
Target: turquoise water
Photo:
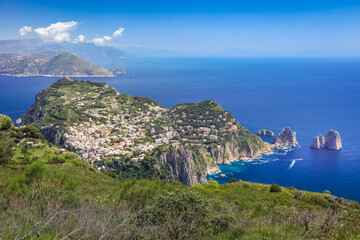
(309, 95)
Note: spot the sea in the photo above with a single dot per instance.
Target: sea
(310, 95)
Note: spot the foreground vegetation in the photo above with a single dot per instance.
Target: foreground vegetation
(72, 201)
(46, 193)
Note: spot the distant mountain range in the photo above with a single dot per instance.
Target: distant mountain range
(99, 55)
(52, 64)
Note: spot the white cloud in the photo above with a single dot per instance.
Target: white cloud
(103, 40)
(59, 32)
(56, 32)
(118, 32)
(80, 38)
(24, 30)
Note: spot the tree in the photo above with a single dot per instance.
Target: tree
(233, 180)
(275, 188)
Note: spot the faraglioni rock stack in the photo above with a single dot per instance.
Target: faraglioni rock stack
(264, 132)
(318, 142)
(331, 142)
(285, 138)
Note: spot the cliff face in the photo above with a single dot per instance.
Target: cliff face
(332, 140)
(53, 135)
(232, 152)
(318, 142)
(285, 138)
(34, 113)
(192, 168)
(181, 165)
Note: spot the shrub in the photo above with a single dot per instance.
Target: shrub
(57, 160)
(112, 174)
(32, 132)
(275, 188)
(222, 223)
(233, 180)
(292, 188)
(183, 215)
(35, 171)
(5, 154)
(198, 186)
(71, 148)
(318, 200)
(5, 122)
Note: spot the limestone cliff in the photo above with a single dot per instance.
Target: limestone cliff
(318, 142)
(285, 138)
(333, 140)
(231, 151)
(181, 165)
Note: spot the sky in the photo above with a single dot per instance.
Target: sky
(254, 27)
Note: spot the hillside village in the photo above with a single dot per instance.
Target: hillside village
(101, 123)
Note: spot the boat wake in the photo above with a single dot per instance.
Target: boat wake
(293, 162)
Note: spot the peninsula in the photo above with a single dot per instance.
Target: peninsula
(52, 64)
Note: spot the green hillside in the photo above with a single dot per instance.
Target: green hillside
(68, 64)
(135, 137)
(46, 194)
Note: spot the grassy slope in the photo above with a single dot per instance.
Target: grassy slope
(251, 211)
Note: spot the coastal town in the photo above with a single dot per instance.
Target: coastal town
(115, 126)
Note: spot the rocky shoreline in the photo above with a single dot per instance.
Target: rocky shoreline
(285, 138)
(267, 151)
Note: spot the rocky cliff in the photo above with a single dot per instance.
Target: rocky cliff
(231, 151)
(182, 167)
(318, 142)
(285, 138)
(331, 142)
(264, 132)
(192, 166)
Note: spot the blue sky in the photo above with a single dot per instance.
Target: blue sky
(197, 27)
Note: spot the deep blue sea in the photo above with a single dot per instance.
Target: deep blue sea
(309, 95)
